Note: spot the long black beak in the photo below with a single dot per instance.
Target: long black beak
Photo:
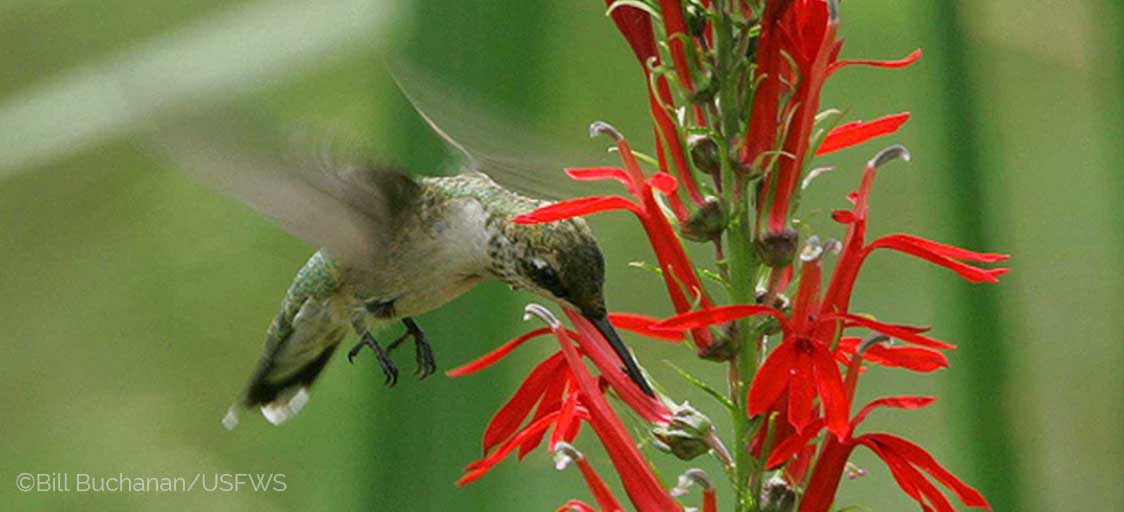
(630, 366)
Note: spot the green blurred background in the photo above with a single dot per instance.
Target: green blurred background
(133, 300)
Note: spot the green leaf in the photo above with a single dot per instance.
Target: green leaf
(642, 265)
(697, 382)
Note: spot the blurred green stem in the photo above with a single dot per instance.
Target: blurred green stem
(984, 428)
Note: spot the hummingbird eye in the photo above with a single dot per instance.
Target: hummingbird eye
(546, 277)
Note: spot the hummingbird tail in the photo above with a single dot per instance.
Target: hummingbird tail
(297, 349)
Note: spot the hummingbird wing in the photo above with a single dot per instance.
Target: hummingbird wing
(350, 209)
(510, 153)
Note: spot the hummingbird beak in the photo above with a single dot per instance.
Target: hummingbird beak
(601, 322)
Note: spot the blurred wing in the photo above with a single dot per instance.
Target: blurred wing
(515, 157)
(352, 210)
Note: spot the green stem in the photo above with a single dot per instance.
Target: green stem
(741, 257)
(743, 266)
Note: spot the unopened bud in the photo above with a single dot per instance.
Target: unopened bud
(705, 91)
(771, 325)
(697, 18)
(707, 223)
(725, 346)
(777, 496)
(777, 249)
(704, 154)
(686, 435)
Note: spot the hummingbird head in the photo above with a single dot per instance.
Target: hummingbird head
(562, 261)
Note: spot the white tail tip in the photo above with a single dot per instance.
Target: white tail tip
(231, 419)
(278, 413)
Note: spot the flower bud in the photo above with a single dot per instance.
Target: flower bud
(705, 91)
(697, 17)
(777, 496)
(725, 346)
(704, 154)
(707, 223)
(777, 249)
(772, 325)
(686, 435)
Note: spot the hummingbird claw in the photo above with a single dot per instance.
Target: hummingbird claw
(367, 340)
(354, 352)
(423, 351)
(427, 365)
(388, 369)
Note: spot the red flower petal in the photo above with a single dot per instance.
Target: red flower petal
(951, 251)
(676, 25)
(636, 27)
(900, 63)
(918, 359)
(643, 488)
(664, 182)
(482, 467)
(806, 303)
(492, 357)
(792, 445)
(820, 492)
(944, 255)
(577, 207)
(595, 347)
(801, 389)
(599, 173)
(575, 505)
(507, 420)
(829, 385)
(772, 378)
(641, 324)
(710, 500)
(919, 457)
(858, 132)
(551, 402)
(569, 406)
(900, 402)
(909, 479)
(904, 333)
(717, 315)
(598, 487)
(602, 173)
(844, 216)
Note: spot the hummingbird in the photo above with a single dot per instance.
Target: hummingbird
(393, 247)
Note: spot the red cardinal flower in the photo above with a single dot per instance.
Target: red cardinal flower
(804, 367)
(683, 284)
(754, 127)
(797, 52)
(563, 393)
(905, 459)
(636, 26)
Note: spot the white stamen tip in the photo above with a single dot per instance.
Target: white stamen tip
(544, 314)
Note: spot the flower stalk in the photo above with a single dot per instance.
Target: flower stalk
(743, 84)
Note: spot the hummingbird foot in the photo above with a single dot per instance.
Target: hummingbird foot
(423, 351)
(367, 340)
